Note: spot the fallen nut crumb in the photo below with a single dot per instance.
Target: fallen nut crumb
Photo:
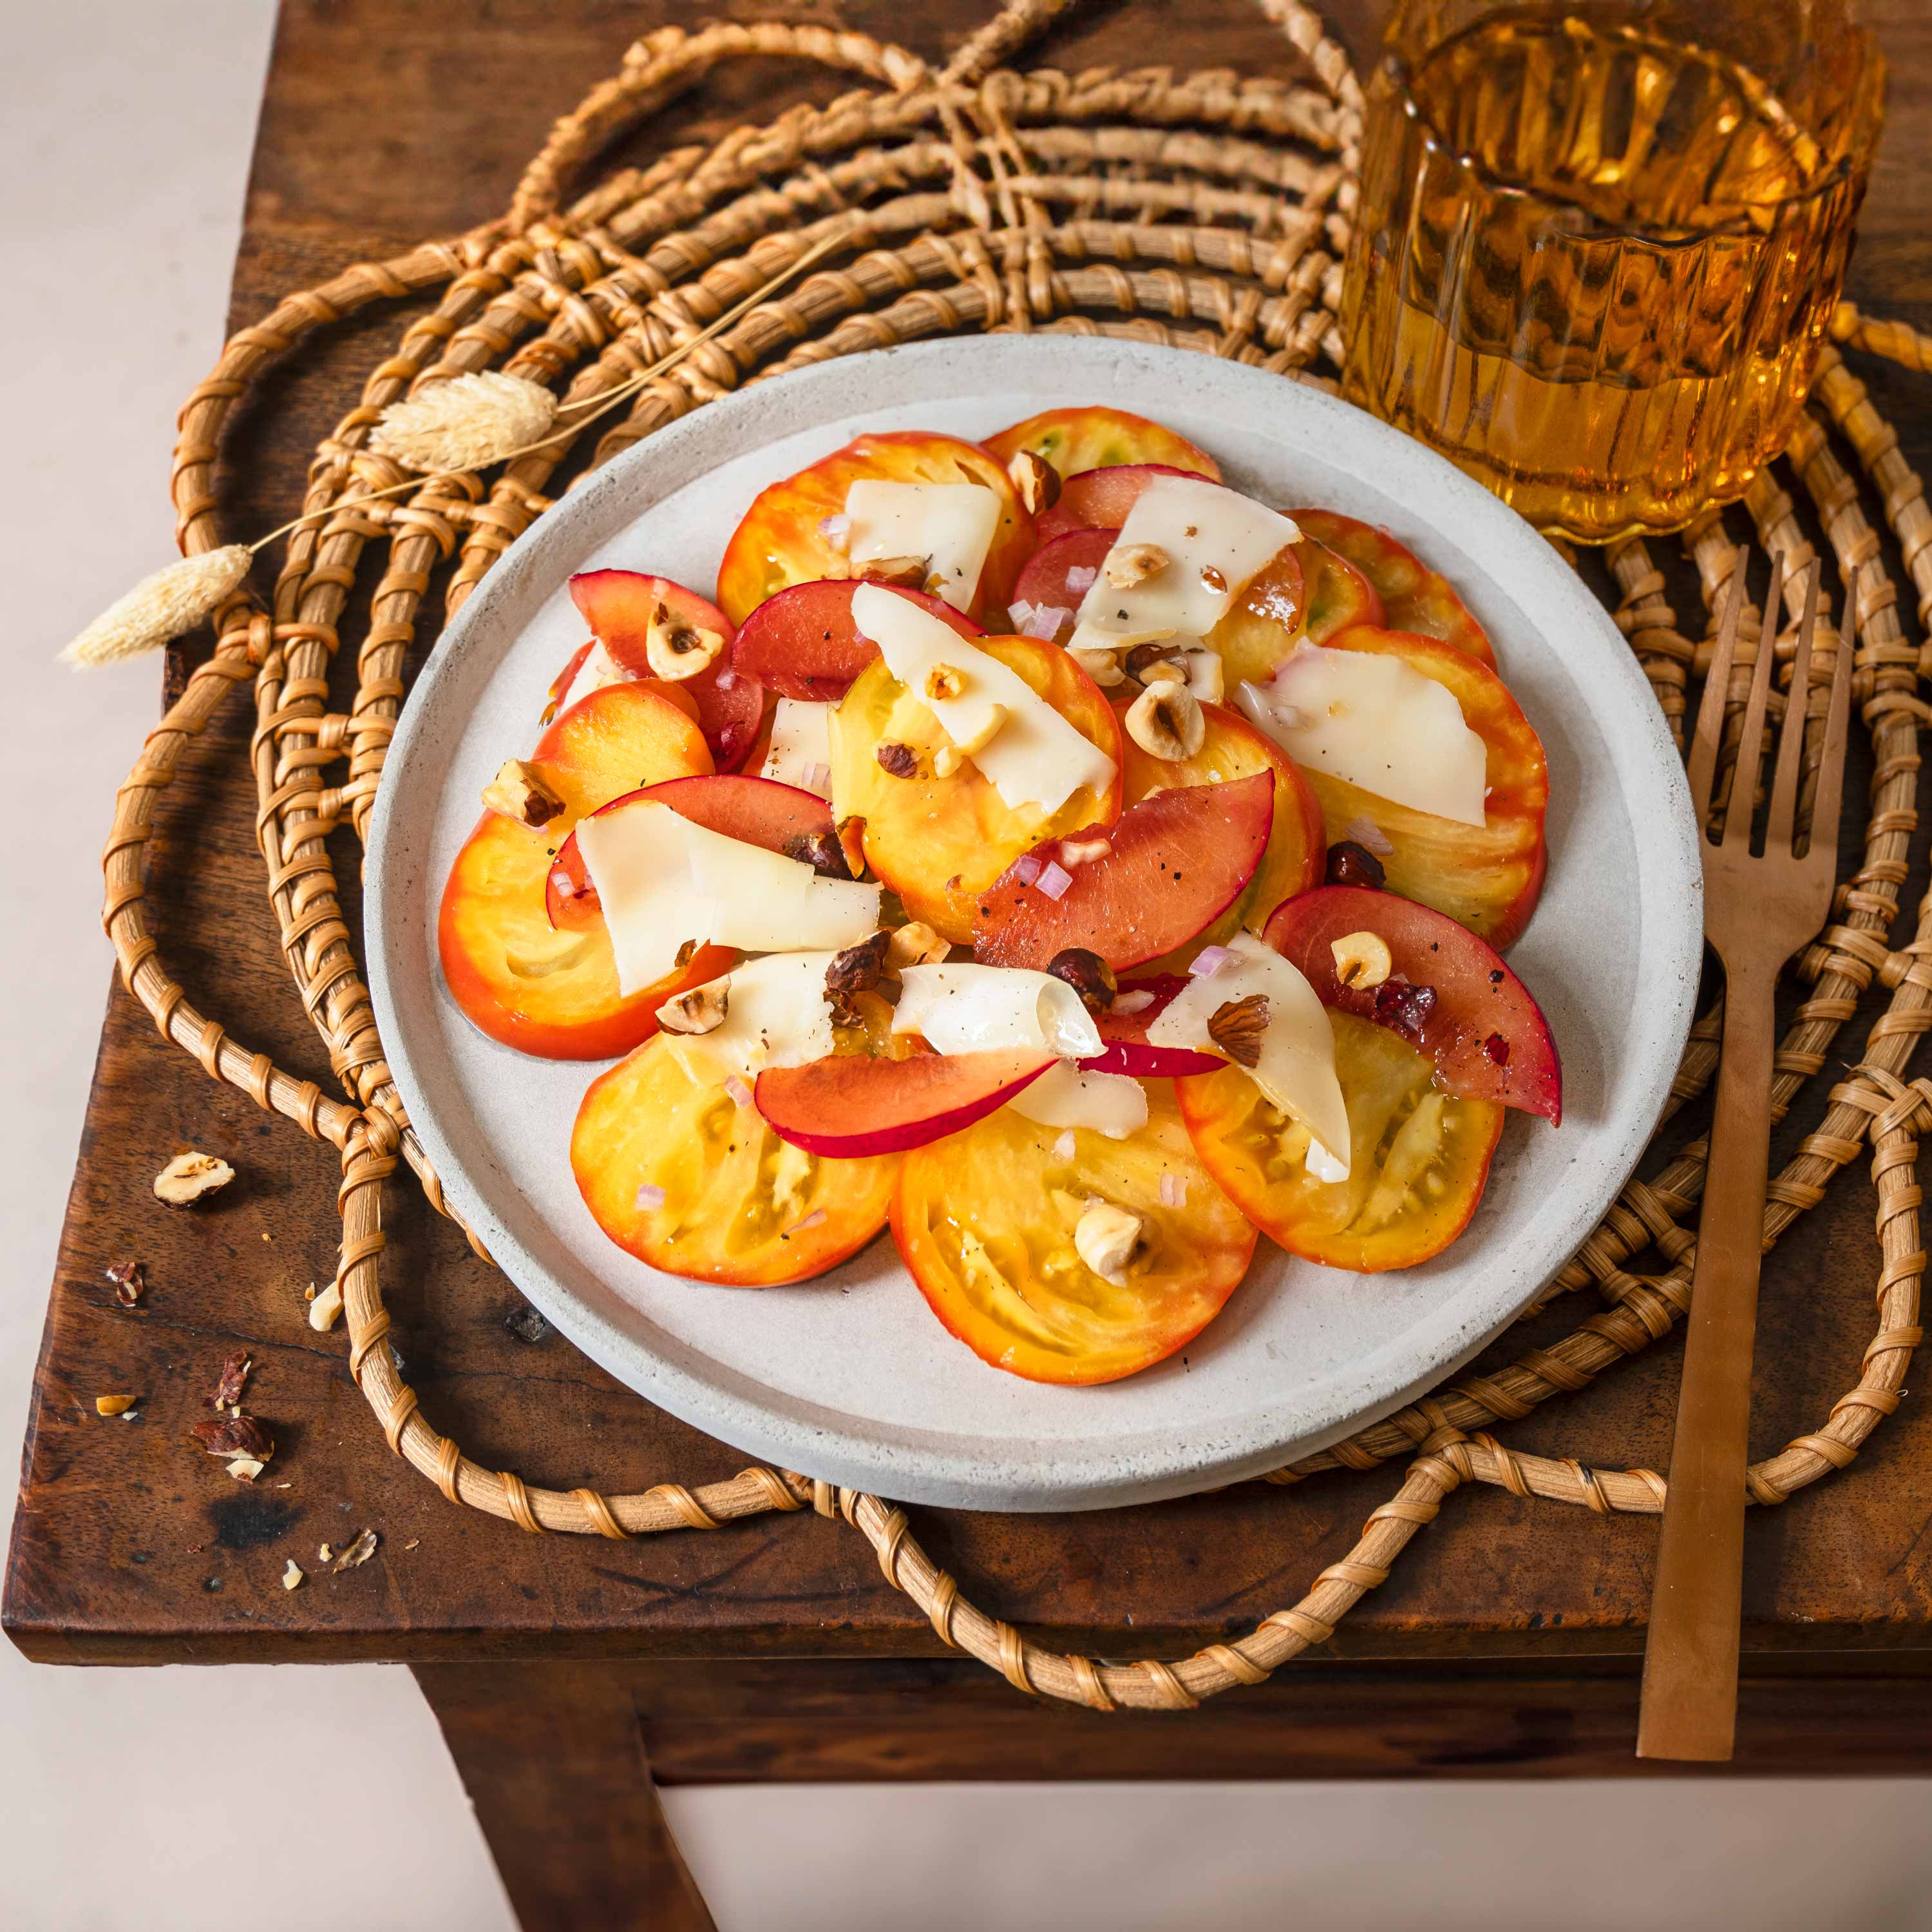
(323, 1310)
(414, 1543)
(129, 1282)
(357, 1553)
(326, 1554)
(114, 1405)
(234, 1379)
(190, 1178)
(245, 1468)
(293, 1576)
(526, 1323)
(234, 1436)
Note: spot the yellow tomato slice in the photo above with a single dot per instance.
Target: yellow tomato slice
(780, 542)
(1097, 438)
(1296, 859)
(676, 1171)
(939, 842)
(985, 1220)
(1418, 1157)
(544, 992)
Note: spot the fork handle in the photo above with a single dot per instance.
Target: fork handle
(1690, 1698)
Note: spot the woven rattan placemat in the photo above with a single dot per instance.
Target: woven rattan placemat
(1207, 211)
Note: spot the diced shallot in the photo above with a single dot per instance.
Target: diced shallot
(727, 680)
(738, 1091)
(1054, 880)
(1135, 1002)
(1365, 832)
(1043, 621)
(1063, 1148)
(817, 777)
(650, 1196)
(1212, 959)
(1026, 867)
(836, 531)
(1080, 578)
(1174, 1190)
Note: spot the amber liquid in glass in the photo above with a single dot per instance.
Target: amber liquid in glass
(1593, 266)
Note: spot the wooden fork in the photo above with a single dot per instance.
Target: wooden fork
(1757, 912)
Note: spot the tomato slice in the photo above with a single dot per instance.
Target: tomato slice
(619, 605)
(1175, 862)
(1414, 597)
(1092, 438)
(780, 542)
(803, 643)
(680, 1174)
(1059, 574)
(1488, 877)
(761, 811)
(551, 993)
(1339, 595)
(985, 1221)
(939, 842)
(1231, 749)
(1448, 994)
(1419, 1157)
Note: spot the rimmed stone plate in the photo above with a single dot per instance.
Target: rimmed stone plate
(849, 1377)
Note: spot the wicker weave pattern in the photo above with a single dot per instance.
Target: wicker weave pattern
(1207, 211)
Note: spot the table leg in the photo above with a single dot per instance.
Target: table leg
(554, 1761)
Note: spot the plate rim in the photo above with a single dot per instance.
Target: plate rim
(1669, 870)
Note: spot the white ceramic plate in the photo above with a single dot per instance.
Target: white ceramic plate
(850, 1378)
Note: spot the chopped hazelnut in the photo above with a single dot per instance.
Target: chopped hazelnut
(325, 1309)
(292, 1575)
(235, 1435)
(114, 1405)
(915, 944)
(906, 573)
(191, 1178)
(1106, 1238)
(676, 648)
(1036, 480)
(945, 680)
(1128, 565)
(901, 761)
(1236, 1028)
(1102, 667)
(1350, 864)
(1207, 675)
(1088, 974)
(701, 1009)
(1362, 959)
(1166, 721)
(520, 791)
(130, 1283)
(1212, 578)
(1084, 848)
(822, 851)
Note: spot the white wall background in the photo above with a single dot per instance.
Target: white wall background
(162, 1799)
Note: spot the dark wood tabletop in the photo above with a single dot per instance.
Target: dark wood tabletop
(383, 124)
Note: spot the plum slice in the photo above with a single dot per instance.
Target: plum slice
(850, 1107)
(1169, 867)
(1127, 1051)
(802, 643)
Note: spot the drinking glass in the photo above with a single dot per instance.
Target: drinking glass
(1599, 243)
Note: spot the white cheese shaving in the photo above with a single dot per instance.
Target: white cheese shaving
(1297, 1069)
(775, 1015)
(599, 668)
(661, 881)
(969, 1009)
(1113, 1104)
(951, 525)
(1034, 757)
(1216, 540)
(1375, 720)
(801, 750)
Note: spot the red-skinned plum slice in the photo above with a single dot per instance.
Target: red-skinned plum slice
(1127, 1051)
(851, 1107)
(802, 643)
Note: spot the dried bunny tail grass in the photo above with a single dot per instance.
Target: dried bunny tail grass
(160, 608)
(467, 423)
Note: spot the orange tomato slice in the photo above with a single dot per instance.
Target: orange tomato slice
(939, 842)
(1096, 438)
(554, 993)
(1489, 876)
(1298, 848)
(1413, 597)
(779, 542)
(985, 1220)
(1419, 1158)
(677, 1171)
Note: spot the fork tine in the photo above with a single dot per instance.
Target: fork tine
(1778, 837)
(1829, 794)
(1710, 727)
(1738, 814)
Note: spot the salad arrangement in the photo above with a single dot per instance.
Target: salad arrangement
(1042, 850)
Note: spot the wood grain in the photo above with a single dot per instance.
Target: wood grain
(129, 1546)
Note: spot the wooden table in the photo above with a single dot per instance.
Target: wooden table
(1507, 1641)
